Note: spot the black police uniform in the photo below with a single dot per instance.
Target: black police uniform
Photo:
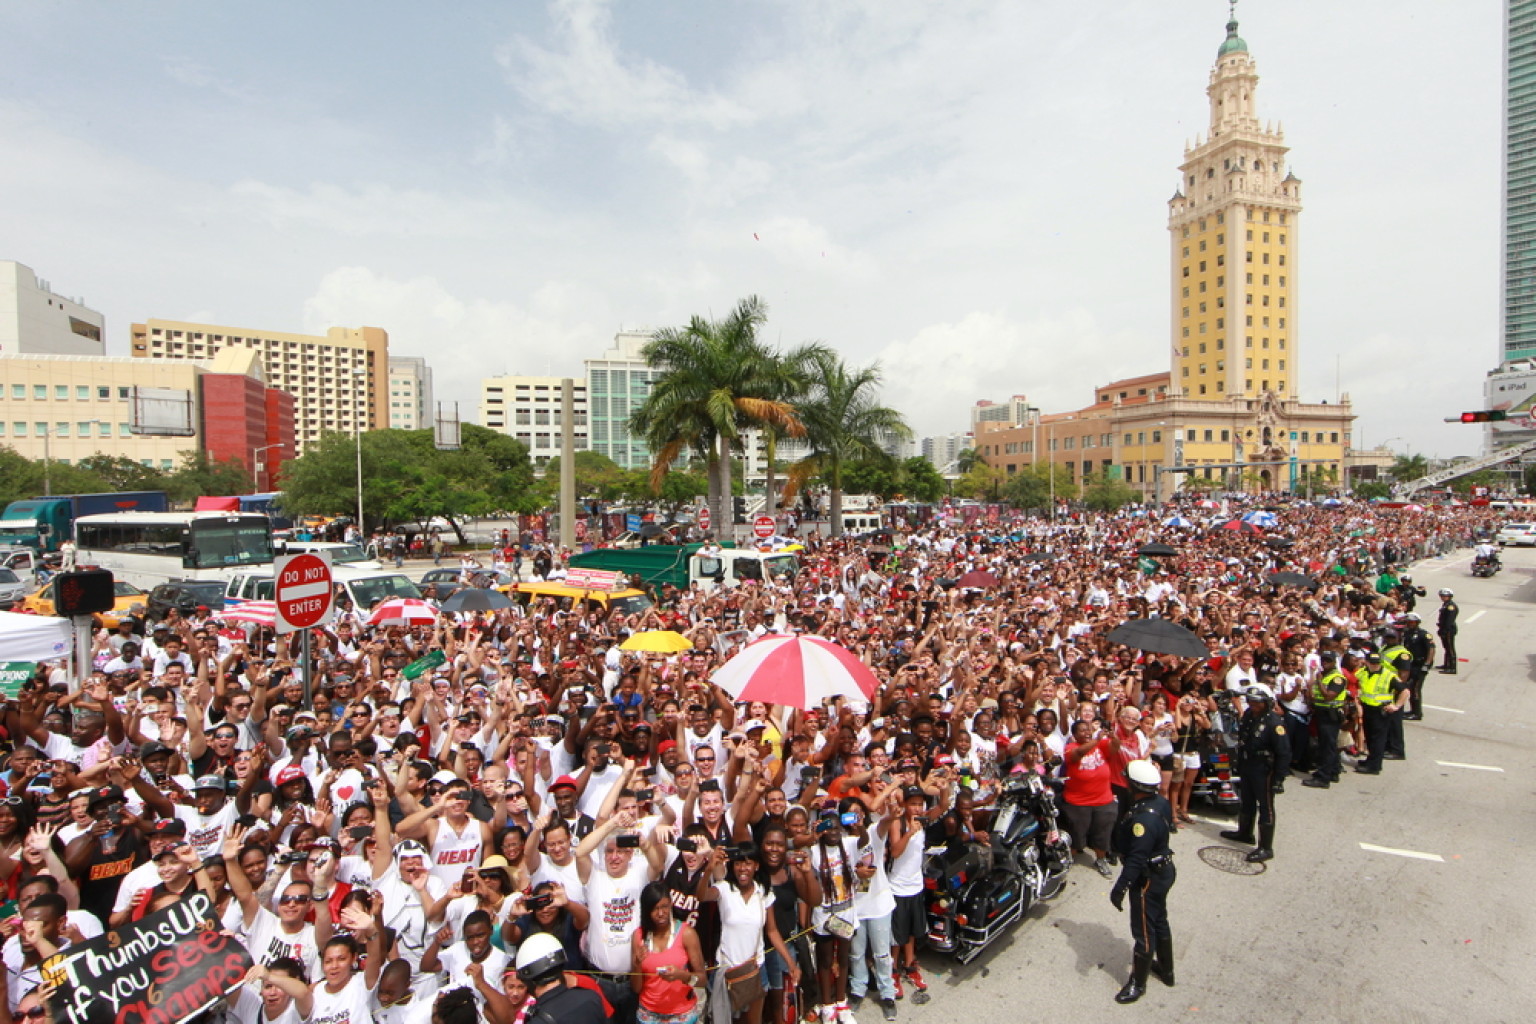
(1263, 757)
(566, 1005)
(1445, 625)
(1422, 648)
(1146, 873)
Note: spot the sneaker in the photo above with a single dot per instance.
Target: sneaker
(828, 1014)
(853, 1003)
(888, 1006)
(915, 976)
(845, 1015)
(896, 977)
(1102, 867)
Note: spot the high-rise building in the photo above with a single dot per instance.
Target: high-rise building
(943, 450)
(410, 393)
(617, 382)
(35, 321)
(339, 380)
(1227, 412)
(989, 415)
(1233, 226)
(529, 409)
(1518, 329)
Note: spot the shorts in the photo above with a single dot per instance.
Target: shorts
(1191, 762)
(1164, 762)
(1092, 826)
(909, 920)
(774, 969)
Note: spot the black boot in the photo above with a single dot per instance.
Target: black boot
(1266, 848)
(1136, 986)
(1242, 834)
(1162, 965)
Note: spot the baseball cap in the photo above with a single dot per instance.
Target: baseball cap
(564, 780)
(172, 827)
(212, 782)
(102, 794)
(299, 732)
(913, 791)
(289, 773)
(756, 723)
(154, 748)
(445, 777)
(409, 848)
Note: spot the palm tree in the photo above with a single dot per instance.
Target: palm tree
(844, 423)
(1408, 467)
(966, 460)
(717, 379)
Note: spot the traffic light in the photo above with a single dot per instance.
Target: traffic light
(83, 593)
(1484, 416)
(739, 509)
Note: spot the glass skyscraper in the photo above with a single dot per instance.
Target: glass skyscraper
(1519, 321)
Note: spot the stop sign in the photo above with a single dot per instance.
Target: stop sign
(763, 526)
(704, 518)
(303, 591)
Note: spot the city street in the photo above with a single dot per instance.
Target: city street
(1404, 896)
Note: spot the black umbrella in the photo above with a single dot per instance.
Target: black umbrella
(1291, 579)
(1156, 550)
(475, 599)
(652, 530)
(1159, 635)
(1279, 542)
(1037, 556)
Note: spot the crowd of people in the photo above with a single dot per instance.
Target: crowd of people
(546, 827)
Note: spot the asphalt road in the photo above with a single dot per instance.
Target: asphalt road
(1440, 929)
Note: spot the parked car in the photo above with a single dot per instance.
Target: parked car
(12, 589)
(1517, 534)
(185, 596)
(442, 581)
(125, 596)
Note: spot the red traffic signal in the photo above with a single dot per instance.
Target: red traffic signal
(83, 593)
(1485, 416)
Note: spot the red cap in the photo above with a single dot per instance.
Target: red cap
(289, 774)
(564, 780)
(665, 745)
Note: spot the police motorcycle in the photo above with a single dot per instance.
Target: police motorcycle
(1217, 780)
(1485, 565)
(975, 891)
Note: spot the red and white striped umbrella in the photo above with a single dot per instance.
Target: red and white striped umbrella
(403, 611)
(800, 671)
(262, 613)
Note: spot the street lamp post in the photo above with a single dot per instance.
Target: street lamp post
(357, 423)
(258, 465)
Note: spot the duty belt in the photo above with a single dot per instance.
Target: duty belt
(1162, 860)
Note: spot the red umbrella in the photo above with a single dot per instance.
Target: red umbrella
(1238, 526)
(980, 579)
(800, 671)
(403, 611)
(262, 613)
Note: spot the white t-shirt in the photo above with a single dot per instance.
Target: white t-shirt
(351, 1005)
(405, 915)
(614, 905)
(872, 896)
(248, 1008)
(741, 923)
(206, 831)
(566, 875)
(268, 942)
(1239, 678)
(418, 1010)
(906, 876)
(456, 958)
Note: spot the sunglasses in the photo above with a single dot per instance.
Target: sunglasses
(292, 900)
(14, 801)
(34, 1012)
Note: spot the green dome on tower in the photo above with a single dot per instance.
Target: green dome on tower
(1233, 43)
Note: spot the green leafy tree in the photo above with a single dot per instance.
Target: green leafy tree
(1031, 487)
(597, 476)
(982, 482)
(1371, 489)
(200, 476)
(1109, 495)
(1482, 478)
(20, 477)
(1529, 480)
(1408, 467)
(966, 460)
(717, 379)
(844, 423)
(920, 481)
(120, 473)
(877, 476)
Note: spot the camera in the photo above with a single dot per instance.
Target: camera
(628, 841)
(645, 796)
(539, 902)
(809, 774)
(687, 844)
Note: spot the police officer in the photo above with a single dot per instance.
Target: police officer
(1329, 692)
(1422, 647)
(1400, 660)
(541, 966)
(1406, 593)
(1378, 685)
(1263, 758)
(1146, 872)
(1445, 625)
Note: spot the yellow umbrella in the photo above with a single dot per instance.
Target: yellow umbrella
(657, 641)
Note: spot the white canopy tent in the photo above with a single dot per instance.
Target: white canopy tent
(34, 637)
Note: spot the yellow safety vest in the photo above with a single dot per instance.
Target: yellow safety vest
(1319, 691)
(1376, 687)
(1392, 655)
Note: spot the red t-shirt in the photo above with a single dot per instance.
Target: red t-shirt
(1088, 779)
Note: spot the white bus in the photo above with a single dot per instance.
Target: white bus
(150, 548)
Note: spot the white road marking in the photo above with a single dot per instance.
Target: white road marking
(1477, 616)
(1470, 767)
(1437, 707)
(1413, 854)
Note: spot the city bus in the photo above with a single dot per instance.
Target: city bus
(150, 548)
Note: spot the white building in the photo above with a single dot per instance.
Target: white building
(528, 408)
(410, 393)
(35, 321)
(989, 415)
(618, 381)
(944, 449)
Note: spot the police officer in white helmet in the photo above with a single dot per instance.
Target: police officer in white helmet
(541, 966)
(1146, 874)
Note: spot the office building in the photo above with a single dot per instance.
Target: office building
(69, 408)
(989, 415)
(1518, 328)
(1228, 409)
(35, 321)
(943, 450)
(529, 409)
(410, 393)
(339, 380)
(617, 382)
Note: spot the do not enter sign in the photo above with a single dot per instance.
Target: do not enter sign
(303, 592)
(763, 526)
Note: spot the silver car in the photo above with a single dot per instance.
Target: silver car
(12, 589)
(1517, 534)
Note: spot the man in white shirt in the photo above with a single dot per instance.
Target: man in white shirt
(613, 900)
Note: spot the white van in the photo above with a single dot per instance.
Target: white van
(364, 589)
(349, 555)
(862, 522)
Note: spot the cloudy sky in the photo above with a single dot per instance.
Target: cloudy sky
(972, 192)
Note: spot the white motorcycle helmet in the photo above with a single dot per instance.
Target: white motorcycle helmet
(540, 958)
(1143, 776)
